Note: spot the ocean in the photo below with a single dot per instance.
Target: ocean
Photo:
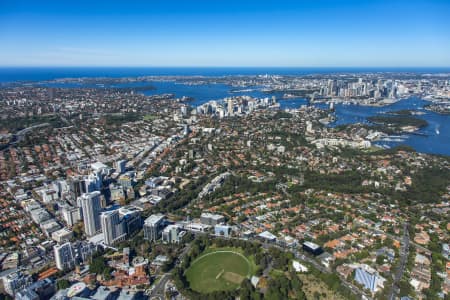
(10, 74)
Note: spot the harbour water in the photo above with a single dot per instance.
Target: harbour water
(434, 138)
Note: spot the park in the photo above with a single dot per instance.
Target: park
(219, 270)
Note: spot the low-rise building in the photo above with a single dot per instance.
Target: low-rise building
(222, 230)
(62, 235)
(211, 219)
(369, 278)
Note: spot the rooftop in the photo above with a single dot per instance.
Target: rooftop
(154, 219)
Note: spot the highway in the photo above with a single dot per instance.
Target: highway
(18, 136)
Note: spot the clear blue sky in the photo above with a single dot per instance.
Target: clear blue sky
(394, 33)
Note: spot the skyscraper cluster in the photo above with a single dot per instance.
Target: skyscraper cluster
(350, 89)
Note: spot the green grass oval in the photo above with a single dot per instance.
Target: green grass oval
(218, 271)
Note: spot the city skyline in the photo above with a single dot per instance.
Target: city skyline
(251, 150)
(203, 34)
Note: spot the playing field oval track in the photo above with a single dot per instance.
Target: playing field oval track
(218, 271)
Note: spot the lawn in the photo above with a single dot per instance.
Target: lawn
(218, 270)
(149, 117)
(313, 286)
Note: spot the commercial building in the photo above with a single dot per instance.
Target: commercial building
(132, 219)
(77, 186)
(49, 227)
(64, 256)
(369, 278)
(100, 168)
(266, 236)
(71, 215)
(117, 193)
(62, 235)
(84, 251)
(42, 289)
(90, 206)
(195, 227)
(120, 166)
(93, 182)
(211, 219)
(172, 234)
(312, 248)
(112, 227)
(26, 294)
(222, 230)
(15, 281)
(153, 227)
(126, 180)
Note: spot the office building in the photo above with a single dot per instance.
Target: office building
(84, 251)
(112, 227)
(171, 234)
(211, 219)
(153, 227)
(64, 256)
(312, 248)
(132, 219)
(93, 182)
(71, 215)
(126, 180)
(120, 166)
(369, 278)
(77, 186)
(230, 107)
(15, 281)
(62, 235)
(222, 230)
(39, 290)
(91, 208)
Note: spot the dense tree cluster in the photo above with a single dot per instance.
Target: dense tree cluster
(279, 287)
(240, 184)
(398, 121)
(285, 287)
(99, 266)
(62, 284)
(428, 186)
(119, 119)
(183, 197)
(18, 123)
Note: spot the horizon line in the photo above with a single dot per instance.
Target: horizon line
(209, 66)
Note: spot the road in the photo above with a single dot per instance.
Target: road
(158, 290)
(394, 237)
(18, 136)
(354, 289)
(302, 257)
(404, 252)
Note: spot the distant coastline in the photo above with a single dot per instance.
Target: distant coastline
(11, 74)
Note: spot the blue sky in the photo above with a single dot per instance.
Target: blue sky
(323, 33)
